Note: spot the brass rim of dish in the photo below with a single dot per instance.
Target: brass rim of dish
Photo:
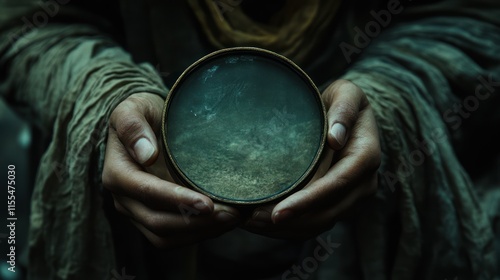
(179, 174)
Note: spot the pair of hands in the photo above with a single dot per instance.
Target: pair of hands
(170, 215)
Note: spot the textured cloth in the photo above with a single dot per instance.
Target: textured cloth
(424, 223)
(69, 78)
(414, 76)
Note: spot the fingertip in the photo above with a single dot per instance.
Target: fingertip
(193, 199)
(282, 211)
(282, 216)
(144, 151)
(226, 217)
(294, 205)
(337, 136)
(204, 205)
(228, 209)
(135, 121)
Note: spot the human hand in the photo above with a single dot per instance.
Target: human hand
(168, 215)
(353, 135)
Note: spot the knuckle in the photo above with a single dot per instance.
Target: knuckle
(372, 155)
(340, 84)
(178, 195)
(346, 85)
(121, 110)
(108, 179)
(346, 112)
(143, 190)
(127, 128)
(154, 223)
(343, 185)
(178, 190)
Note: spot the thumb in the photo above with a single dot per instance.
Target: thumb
(344, 101)
(134, 120)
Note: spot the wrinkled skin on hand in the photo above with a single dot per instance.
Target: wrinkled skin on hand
(341, 180)
(170, 215)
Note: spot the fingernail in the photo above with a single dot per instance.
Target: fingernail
(282, 216)
(201, 205)
(338, 132)
(225, 217)
(143, 150)
(261, 216)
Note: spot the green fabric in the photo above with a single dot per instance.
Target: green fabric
(67, 78)
(70, 78)
(413, 75)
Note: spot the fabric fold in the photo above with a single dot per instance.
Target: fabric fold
(414, 75)
(71, 90)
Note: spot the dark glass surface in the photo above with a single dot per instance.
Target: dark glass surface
(244, 127)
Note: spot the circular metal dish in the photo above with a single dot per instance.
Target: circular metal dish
(243, 126)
